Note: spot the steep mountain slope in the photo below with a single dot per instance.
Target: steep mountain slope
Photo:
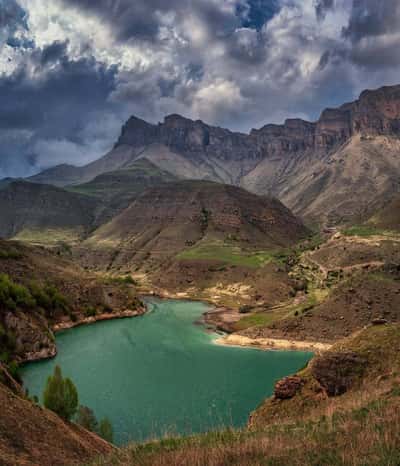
(31, 435)
(318, 169)
(44, 212)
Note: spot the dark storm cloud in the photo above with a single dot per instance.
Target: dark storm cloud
(57, 107)
(141, 19)
(247, 46)
(57, 51)
(374, 33)
(371, 18)
(59, 103)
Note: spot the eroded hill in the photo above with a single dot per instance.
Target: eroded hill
(188, 237)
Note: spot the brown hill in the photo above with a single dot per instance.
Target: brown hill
(45, 213)
(201, 240)
(32, 436)
(175, 217)
(117, 189)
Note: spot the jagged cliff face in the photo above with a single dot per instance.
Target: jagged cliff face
(298, 161)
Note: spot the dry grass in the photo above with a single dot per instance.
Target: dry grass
(365, 436)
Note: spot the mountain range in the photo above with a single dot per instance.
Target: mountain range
(340, 168)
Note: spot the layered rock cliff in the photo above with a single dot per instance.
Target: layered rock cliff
(305, 164)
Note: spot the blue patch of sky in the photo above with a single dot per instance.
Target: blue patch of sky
(258, 12)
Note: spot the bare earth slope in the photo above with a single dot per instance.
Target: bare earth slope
(32, 436)
(166, 221)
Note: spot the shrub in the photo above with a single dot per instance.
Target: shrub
(90, 311)
(60, 395)
(87, 419)
(13, 295)
(106, 430)
(49, 298)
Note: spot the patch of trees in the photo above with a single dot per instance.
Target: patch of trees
(14, 295)
(61, 397)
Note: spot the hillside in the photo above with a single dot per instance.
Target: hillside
(44, 213)
(387, 218)
(41, 291)
(346, 281)
(191, 236)
(31, 435)
(117, 189)
(317, 169)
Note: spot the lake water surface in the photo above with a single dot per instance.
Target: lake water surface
(160, 373)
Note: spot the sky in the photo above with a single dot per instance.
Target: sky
(72, 71)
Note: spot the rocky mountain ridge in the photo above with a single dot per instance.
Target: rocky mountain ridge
(302, 163)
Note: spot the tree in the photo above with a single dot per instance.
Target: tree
(106, 430)
(87, 419)
(60, 395)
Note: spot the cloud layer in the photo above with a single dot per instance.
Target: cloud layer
(71, 71)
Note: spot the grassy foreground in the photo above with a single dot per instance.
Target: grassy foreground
(360, 427)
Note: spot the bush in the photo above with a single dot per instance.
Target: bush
(87, 419)
(90, 311)
(60, 395)
(106, 430)
(49, 298)
(13, 295)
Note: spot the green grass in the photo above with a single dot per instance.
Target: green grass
(366, 231)
(49, 235)
(266, 318)
(228, 254)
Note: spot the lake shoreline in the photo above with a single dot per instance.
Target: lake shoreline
(268, 344)
(121, 366)
(51, 351)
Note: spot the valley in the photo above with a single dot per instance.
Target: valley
(280, 243)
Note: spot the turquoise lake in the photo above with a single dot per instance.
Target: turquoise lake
(162, 373)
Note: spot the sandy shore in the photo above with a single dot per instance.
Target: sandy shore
(272, 343)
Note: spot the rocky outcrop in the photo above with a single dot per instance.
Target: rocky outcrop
(33, 338)
(338, 372)
(288, 387)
